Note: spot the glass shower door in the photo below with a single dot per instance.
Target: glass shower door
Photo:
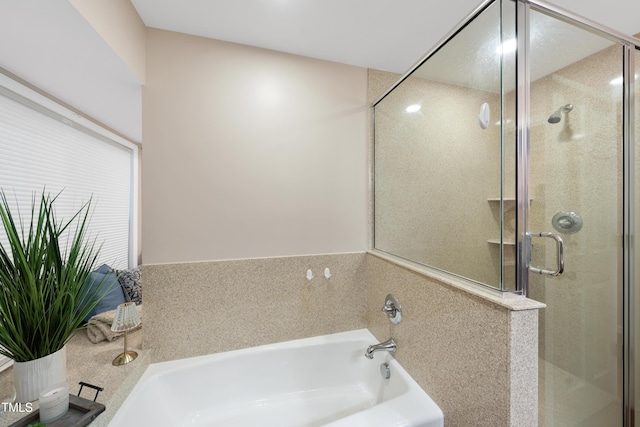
(576, 192)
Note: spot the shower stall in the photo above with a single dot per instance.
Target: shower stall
(508, 157)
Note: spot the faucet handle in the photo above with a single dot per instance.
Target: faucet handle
(392, 309)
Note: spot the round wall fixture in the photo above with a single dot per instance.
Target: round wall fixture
(567, 222)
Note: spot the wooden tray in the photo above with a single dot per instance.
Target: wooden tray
(81, 412)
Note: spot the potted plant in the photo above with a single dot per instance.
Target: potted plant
(43, 269)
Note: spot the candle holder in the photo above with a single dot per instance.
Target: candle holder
(54, 402)
(125, 320)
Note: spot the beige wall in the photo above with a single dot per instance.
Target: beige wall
(118, 23)
(250, 153)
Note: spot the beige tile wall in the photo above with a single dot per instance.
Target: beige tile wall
(199, 308)
(477, 359)
(438, 154)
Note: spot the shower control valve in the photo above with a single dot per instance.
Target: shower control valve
(392, 309)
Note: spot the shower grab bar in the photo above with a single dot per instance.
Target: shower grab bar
(559, 254)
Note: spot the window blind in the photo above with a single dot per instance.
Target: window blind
(52, 149)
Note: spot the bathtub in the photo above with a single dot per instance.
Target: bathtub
(319, 381)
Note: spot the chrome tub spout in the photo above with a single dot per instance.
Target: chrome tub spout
(389, 345)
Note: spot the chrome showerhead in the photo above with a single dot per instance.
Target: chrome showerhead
(557, 115)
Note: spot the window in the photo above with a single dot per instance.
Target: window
(44, 145)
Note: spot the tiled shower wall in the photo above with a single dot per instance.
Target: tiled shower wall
(475, 357)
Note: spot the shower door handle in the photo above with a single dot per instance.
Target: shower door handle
(559, 253)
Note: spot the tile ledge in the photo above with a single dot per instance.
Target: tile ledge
(507, 300)
(256, 258)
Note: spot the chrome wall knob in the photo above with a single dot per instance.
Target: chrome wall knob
(392, 309)
(567, 222)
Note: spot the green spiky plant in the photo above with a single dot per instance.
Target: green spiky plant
(42, 300)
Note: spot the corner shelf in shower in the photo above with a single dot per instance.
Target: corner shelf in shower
(510, 201)
(497, 242)
(507, 246)
(506, 199)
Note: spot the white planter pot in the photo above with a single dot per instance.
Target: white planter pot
(32, 377)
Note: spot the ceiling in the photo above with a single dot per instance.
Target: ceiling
(382, 34)
(49, 44)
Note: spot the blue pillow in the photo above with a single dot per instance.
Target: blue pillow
(103, 280)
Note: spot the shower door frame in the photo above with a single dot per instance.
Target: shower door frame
(628, 289)
(631, 47)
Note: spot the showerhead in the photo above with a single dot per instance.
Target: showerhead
(557, 115)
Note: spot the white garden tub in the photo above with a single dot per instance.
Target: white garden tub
(319, 381)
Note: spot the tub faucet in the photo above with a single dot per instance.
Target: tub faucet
(389, 345)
